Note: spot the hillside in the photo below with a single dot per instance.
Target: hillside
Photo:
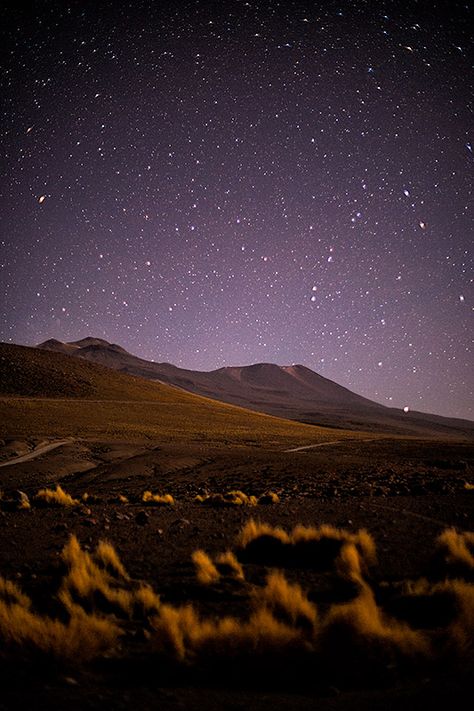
(51, 394)
(293, 392)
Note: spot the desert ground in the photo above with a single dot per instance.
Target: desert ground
(322, 616)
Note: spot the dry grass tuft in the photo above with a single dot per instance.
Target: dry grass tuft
(228, 566)
(303, 546)
(55, 497)
(183, 633)
(238, 498)
(261, 634)
(358, 630)
(457, 549)
(287, 603)
(230, 498)
(282, 619)
(100, 582)
(255, 529)
(157, 499)
(84, 636)
(225, 565)
(206, 571)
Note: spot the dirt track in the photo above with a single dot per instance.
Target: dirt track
(37, 452)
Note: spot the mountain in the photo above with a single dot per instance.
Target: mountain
(294, 392)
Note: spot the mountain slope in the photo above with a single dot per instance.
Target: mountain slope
(294, 392)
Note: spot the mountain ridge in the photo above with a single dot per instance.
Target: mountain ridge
(293, 392)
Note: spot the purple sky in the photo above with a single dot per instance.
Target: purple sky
(222, 183)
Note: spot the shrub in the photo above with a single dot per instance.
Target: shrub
(206, 571)
(100, 582)
(183, 633)
(84, 636)
(55, 497)
(456, 549)
(287, 603)
(358, 639)
(231, 498)
(157, 499)
(225, 565)
(302, 547)
(228, 566)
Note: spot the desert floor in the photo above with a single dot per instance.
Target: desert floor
(404, 492)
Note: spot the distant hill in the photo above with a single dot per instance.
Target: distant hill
(294, 392)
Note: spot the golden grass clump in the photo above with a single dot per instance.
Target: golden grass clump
(287, 602)
(457, 548)
(255, 529)
(157, 499)
(100, 581)
(301, 547)
(262, 633)
(360, 628)
(282, 617)
(362, 539)
(55, 497)
(238, 498)
(230, 498)
(349, 565)
(228, 566)
(183, 633)
(84, 636)
(208, 572)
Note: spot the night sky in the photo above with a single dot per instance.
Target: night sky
(223, 183)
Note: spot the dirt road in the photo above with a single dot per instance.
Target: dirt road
(325, 444)
(41, 449)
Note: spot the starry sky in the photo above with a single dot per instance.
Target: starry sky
(223, 183)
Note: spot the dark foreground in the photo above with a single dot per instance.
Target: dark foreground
(404, 494)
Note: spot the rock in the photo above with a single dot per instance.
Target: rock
(20, 497)
(16, 501)
(70, 681)
(142, 518)
(117, 516)
(180, 523)
(89, 521)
